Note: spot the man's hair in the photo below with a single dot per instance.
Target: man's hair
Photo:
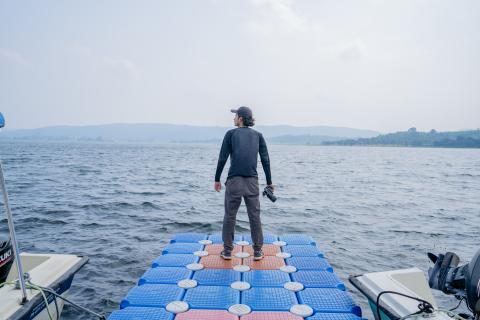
(248, 122)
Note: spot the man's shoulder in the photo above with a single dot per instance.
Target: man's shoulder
(253, 131)
(241, 131)
(258, 133)
(229, 132)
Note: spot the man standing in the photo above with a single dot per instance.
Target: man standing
(243, 145)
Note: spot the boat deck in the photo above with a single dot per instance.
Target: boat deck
(191, 281)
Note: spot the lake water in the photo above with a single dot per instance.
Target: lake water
(368, 208)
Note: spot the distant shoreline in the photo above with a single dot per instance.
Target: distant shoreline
(144, 142)
(278, 135)
(414, 138)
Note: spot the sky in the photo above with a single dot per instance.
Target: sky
(370, 64)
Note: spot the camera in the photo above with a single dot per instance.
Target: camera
(268, 191)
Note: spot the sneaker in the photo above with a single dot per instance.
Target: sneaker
(226, 255)
(258, 255)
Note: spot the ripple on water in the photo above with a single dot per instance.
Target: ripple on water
(368, 209)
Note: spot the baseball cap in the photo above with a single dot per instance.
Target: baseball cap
(244, 112)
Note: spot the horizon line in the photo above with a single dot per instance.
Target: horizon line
(183, 124)
(231, 126)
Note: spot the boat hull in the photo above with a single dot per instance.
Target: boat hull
(410, 282)
(53, 271)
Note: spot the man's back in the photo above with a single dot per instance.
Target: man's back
(243, 146)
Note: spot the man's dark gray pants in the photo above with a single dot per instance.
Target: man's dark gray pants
(236, 188)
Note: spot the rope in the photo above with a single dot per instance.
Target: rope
(424, 306)
(44, 290)
(32, 286)
(51, 291)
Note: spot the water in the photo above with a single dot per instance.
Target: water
(369, 209)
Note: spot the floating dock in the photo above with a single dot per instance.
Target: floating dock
(191, 281)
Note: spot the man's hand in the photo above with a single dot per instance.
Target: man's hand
(217, 186)
(271, 186)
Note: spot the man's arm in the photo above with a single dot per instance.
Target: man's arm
(265, 159)
(223, 156)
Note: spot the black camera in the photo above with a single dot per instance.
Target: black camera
(268, 191)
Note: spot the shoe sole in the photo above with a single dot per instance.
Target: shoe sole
(257, 258)
(226, 258)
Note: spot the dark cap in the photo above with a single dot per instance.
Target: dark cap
(243, 112)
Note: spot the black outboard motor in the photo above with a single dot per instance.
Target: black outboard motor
(6, 259)
(472, 283)
(463, 281)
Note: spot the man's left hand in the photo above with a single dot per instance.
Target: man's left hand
(217, 186)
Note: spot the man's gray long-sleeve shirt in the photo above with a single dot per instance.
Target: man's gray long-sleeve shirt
(243, 146)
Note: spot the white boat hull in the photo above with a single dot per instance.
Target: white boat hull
(43, 315)
(55, 271)
(410, 282)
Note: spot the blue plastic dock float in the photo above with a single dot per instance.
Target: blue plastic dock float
(268, 238)
(187, 282)
(303, 251)
(175, 260)
(318, 279)
(188, 237)
(309, 263)
(166, 275)
(217, 238)
(269, 299)
(216, 277)
(266, 278)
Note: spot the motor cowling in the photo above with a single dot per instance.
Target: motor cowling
(6, 259)
(461, 281)
(472, 283)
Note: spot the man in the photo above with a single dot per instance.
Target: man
(243, 145)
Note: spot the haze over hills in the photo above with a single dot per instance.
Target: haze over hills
(179, 133)
(414, 138)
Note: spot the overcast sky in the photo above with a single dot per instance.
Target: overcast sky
(381, 65)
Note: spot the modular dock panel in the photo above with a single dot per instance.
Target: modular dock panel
(212, 297)
(217, 238)
(139, 313)
(318, 279)
(268, 238)
(303, 250)
(190, 280)
(266, 278)
(309, 263)
(188, 237)
(166, 275)
(269, 299)
(175, 260)
(268, 249)
(216, 277)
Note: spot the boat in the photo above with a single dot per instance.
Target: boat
(32, 286)
(406, 294)
(53, 271)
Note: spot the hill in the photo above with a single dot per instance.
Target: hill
(414, 138)
(174, 133)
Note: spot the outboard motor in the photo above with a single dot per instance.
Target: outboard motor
(6, 259)
(472, 283)
(461, 281)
